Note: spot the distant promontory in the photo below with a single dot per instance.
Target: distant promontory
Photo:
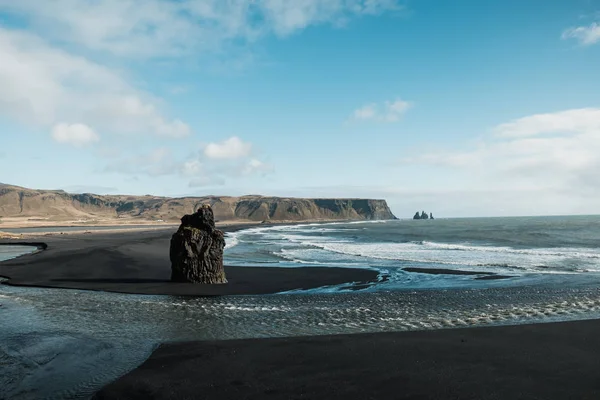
(58, 205)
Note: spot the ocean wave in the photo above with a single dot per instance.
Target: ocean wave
(231, 240)
(558, 251)
(295, 257)
(337, 244)
(297, 227)
(503, 258)
(392, 250)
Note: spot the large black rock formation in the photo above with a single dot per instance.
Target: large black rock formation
(197, 249)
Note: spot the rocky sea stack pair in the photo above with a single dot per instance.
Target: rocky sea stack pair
(196, 251)
(423, 215)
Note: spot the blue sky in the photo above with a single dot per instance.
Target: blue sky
(462, 108)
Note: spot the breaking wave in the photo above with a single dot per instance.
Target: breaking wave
(390, 246)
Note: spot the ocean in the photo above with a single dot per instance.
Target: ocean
(440, 253)
(57, 343)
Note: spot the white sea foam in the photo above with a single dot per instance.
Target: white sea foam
(303, 256)
(310, 226)
(558, 251)
(231, 307)
(456, 254)
(325, 244)
(494, 258)
(231, 240)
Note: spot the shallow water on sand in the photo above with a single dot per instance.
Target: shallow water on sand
(10, 251)
(69, 343)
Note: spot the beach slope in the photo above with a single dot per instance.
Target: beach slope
(138, 262)
(543, 361)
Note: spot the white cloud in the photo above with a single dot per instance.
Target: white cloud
(231, 148)
(557, 152)
(47, 74)
(149, 28)
(390, 111)
(217, 163)
(254, 166)
(157, 162)
(192, 168)
(43, 85)
(74, 134)
(130, 114)
(586, 35)
(573, 121)
(202, 175)
(285, 17)
(366, 112)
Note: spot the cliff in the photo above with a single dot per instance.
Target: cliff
(59, 205)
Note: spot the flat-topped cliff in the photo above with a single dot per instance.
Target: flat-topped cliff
(57, 204)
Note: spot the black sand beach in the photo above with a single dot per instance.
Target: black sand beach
(138, 262)
(544, 361)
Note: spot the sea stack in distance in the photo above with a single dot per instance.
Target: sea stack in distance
(196, 251)
(423, 215)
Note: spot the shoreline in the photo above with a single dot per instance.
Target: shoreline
(230, 226)
(537, 361)
(141, 224)
(17, 239)
(137, 262)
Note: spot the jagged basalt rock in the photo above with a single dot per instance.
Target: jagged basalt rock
(196, 251)
(423, 215)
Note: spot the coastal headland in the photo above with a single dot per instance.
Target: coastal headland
(21, 207)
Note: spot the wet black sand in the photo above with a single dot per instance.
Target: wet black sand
(138, 262)
(544, 361)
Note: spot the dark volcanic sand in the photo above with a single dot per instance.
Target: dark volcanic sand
(138, 262)
(545, 361)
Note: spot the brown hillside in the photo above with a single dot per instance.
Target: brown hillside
(59, 205)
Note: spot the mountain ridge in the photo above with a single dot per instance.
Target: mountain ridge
(16, 201)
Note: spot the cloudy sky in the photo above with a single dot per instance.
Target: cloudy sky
(462, 108)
